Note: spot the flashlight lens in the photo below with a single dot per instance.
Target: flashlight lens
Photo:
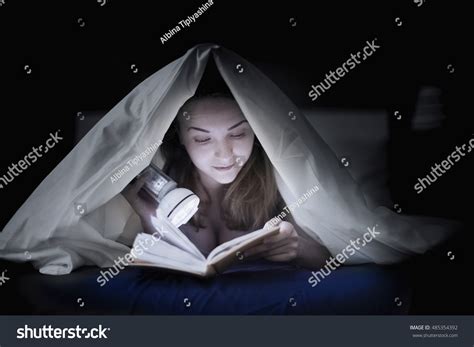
(184, 212)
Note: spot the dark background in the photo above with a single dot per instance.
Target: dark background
(77, 69)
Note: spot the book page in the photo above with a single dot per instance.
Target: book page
(159, 251)
(174, 236)
(230, 248)
(157, 261)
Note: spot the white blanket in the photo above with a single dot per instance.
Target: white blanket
(76, 215)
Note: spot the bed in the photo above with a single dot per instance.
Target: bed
(258, 288)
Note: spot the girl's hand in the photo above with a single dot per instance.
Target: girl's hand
(143, 206)
(281, 247)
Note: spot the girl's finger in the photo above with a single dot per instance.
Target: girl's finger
(274, 245)
(140, 181)
(289, 247)
(270, 224)
(281, 257)
(132, 190)
(262, 249)
(286, 230)
(255, 250)
(282, 235)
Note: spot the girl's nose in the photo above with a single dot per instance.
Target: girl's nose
(224, 151)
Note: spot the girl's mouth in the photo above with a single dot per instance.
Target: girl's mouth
(224, 168)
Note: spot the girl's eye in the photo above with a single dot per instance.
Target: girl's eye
(201, 141)
(238, 136)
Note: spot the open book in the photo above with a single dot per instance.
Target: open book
(173, 250)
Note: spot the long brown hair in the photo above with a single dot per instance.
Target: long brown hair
(249, 201)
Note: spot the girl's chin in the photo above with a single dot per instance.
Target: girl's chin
(225, 178)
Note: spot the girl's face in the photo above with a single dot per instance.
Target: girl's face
(217, 138)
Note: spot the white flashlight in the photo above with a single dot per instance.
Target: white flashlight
(177, 204)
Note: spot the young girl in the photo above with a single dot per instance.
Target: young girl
(211, 149)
